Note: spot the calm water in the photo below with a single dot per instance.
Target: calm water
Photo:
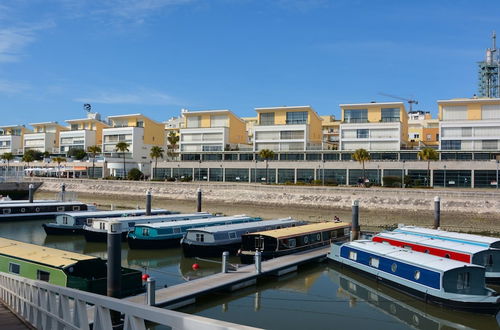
(320, 296)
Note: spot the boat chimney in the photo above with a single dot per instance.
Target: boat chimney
(437, 212)
(149, 199)
(355, 220)
(114, 285)
(198, 200)
(31, 191)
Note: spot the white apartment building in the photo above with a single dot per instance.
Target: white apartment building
(469, 124)
(45, 137)
(373, 126)
(83, 133)
(11, 139)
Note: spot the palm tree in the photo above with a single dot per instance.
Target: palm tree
(59, 160)
(94, 150)
(428, 154)
(123, 148)
(172, 139)
(266, 154)
(28, 157)
(8, 156)
(156, 152)
(361, 155)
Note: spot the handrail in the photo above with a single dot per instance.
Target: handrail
(48, 306)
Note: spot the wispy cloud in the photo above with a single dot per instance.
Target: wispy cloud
(138, 97)
(11, 87)
(13, 40)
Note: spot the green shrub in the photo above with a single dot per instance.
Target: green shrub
(135, 174)
(186, 178)
(170, 179)
(392, 181)
(78, 154)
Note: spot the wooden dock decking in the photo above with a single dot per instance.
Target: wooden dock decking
(9, 320)
(186, 293)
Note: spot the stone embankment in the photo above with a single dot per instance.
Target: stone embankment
(388, 199)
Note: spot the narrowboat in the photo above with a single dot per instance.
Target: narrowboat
(71, 223)
(479, 240)
(24, 211)
(212, 241)
(279, 242)
(166, 235)
(59, 267)
(474, 254)
(96, 230)
(445, 282)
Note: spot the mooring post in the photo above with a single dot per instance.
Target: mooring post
(355, 220)
(258, 262)
(63, 192)
(198, 201)
(114, 264)
(149, 199)
(151, 291)
(31, 192)
(225, 255)
(111, 207)
(437, 212)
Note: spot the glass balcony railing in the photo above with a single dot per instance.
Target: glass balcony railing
(355, 120)
(390, 119)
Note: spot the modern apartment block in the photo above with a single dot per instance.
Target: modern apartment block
(11, 139)
(471, 124)
(374, 126)
(45, 137)
(331, 132)
(423, 131)
(287, 129)
(83, 133)
(211, 130)
(139, 131)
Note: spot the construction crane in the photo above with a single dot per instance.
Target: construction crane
(411, 102)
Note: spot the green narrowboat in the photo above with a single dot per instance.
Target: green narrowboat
(59, 267)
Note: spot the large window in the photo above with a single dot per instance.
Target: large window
(14, 268)
(193, 121)
(356, 116)
(390, 114)
(267, 118)
(218, 121)
(362, 133)
(42, 275)
(292, 135)
(293, 118)
(490, 144)
(455, 113)
(490, 112)
(451, 145)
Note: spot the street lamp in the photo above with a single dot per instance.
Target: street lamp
(444, 176)
(403, 178)
(323, 173)
(497, 173)
(378, 175)
(199, 170)
(255, 172)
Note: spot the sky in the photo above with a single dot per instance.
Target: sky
(158, 56)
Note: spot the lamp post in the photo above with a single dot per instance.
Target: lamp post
(378, 175)
(497, 172)
(199, 169)
(444, 176)
(403, 177)
(255, 172)
(323, 174)
(178, 171)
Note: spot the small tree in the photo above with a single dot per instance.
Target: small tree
(78, 154)
(172, 139)
(361, 155)
(94, 150)
(59, 160)
(266, 154)
(123, 148)
(134, 174)
(8, 156)
(428, 154)
(28, 157)
(156, 152)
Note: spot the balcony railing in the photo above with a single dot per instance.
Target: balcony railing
(355, 121)
(390, 119)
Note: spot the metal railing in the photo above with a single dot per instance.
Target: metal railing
(47, 306)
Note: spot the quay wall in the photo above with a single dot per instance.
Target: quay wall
(452, 200)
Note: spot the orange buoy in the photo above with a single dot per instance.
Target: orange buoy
(145, 277)
(195, 266)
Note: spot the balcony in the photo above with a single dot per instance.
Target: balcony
(355, 121)
(390, 120)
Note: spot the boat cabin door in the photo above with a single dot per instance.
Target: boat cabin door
(259, 243)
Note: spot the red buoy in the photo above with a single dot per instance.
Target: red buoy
(195, 266)
(145, 277)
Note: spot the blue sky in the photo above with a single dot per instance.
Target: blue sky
(158, 56)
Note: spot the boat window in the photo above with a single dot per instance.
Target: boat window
(232, 235)
(488, 260)
(177, 230)
(76, 208)
(60, 208)
(23, 210)
(463, 281)
(6, 211)
(318, 237)
(394, 267)
(306, 239)
(259, 243)
(145, 231)
(37, 209)
(42, 275)
(374, 262)
(102, 226)
(426, 251)
(14, 268)
(447, 255)
(200, 237)
(292, 243)
(353, 255)
(333, 234)
(65, 220)
(131, 224)
(416, 275)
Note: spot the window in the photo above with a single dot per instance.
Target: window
(102, 226)
(6, 211)
(466, 131)
(490, 144)
(267, 118)
(374, 262)
(193, 121)
(60, 208)
(232, 235)
(463, 281)
(74, 127)
(416, 275)
(140, 123)
(259, 243)
(488, 260)
(407, 247)
(447, 255)
(292, 135)
(42, 275)
(390, 114)
(353, 255)
(451, 145)
(65, 220)
(455, 113)
(218, 121)
(292, 243)
(76, 208)
(145, 231)
(356, 116)
(394, 267)
(428, 137)
(426, 251)
(200, 237)
(294, 118)
(14, 268)
(362, 133)
(177, 230)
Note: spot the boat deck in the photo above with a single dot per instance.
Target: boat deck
(9, 320)
(183, 294)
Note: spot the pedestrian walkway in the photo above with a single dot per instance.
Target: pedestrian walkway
(9, 320)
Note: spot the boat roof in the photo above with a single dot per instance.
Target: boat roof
(302, 230)
(40, 204)
(242, 226)
(434, 242)
(3, 202)
(105, 213)
(195, 222)
(159, 217)
(41, 254)
(450, 235)
(408, 256)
